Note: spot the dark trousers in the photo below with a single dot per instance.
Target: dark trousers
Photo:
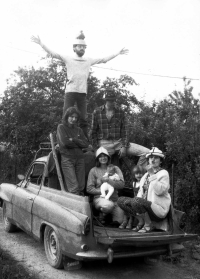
(132, 206)
(80, 99)
(74, 174)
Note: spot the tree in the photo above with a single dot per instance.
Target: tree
(173, 125)
(183, 147)
(32, 107)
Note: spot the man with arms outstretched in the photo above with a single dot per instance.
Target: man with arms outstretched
(77, 74)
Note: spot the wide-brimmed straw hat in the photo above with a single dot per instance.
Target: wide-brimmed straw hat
(155, 151)
(101, 150)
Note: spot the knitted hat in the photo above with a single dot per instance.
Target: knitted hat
(80, 39)
(110, 94)
(101, 150)
(155, 151)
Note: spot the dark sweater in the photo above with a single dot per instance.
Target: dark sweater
(68, 148)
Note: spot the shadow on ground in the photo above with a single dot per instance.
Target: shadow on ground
(10, 268)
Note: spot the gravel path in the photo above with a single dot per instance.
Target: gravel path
(24, 251)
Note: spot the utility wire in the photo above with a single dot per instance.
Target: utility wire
(117, 70)
(24, 50)
(144, 74)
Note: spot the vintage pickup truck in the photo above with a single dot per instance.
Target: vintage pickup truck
(64, 222)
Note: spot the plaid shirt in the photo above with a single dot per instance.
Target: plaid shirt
(103, 129)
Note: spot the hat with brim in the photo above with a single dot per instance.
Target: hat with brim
(156, 152)
(101, 150)
(110, 95)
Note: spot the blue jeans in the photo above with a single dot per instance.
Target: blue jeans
(80, 99)
(133, 150)
(74, 174)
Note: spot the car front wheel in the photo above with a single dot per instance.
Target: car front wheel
(8, 226)
(52, 248)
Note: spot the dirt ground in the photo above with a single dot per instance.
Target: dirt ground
(23, 257)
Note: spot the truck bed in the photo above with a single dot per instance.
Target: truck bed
(115, 236)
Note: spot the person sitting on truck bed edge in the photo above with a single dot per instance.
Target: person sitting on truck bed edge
(71, 140)
(77, 74)
(110, 129)
(153, 199)
(96, 179)
(129, 221)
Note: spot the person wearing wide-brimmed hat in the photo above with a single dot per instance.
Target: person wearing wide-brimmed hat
(110, 129)
(96, 179)
(153, 199)
(78, 69)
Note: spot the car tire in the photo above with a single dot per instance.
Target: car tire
(53, 248)
(8, 226)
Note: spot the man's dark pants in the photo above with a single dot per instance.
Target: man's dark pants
(80, 99)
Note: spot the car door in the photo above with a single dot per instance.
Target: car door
(24, 196)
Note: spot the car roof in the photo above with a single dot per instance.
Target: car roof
(42, 159)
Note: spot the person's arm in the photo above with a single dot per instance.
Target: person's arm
(160, 182)
(63, 140)
(110, 57)
(114, 177)
(141, 189)
(38, 41)
(94, 130)
(81, 141)
(92, 182)
(117, 184)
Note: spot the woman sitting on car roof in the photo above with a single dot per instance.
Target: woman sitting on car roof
(96, 179)
(71, 140)
(153, 200)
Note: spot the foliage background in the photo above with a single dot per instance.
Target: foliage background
(31, 108)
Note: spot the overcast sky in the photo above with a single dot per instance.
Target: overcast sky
(163, 38)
